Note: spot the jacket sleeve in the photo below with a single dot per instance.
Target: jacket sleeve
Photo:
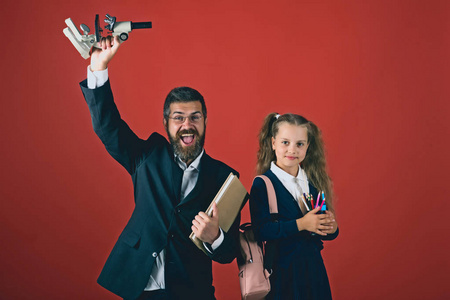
(263, 227)
(120, 141)
(228, 250)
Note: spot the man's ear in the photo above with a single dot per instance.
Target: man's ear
(165, 122)
(206, 121)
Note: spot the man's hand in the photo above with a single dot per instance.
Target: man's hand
(207, 228)
(101, 57)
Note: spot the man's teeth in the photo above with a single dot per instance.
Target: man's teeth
(187, 138)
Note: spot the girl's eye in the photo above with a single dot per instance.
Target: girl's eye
(300, 144)
(285, 142)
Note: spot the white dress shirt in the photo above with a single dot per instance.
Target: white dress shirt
(97, 79)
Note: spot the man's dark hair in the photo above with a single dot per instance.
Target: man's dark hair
(183, 94)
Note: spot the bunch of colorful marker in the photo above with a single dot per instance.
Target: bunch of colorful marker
(308, 201)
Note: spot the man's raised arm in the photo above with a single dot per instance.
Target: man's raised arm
(119, 140)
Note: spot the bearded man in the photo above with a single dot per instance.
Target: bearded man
(174, 183)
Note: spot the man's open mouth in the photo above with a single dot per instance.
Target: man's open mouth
(187, 138)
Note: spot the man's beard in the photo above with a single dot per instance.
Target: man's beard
(188, 153)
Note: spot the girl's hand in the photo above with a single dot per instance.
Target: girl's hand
(320, 224)
(333, 224)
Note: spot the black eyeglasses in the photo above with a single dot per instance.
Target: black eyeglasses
(192, 118)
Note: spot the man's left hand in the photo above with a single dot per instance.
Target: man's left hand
(207, 228)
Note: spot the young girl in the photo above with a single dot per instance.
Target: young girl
(292, 156)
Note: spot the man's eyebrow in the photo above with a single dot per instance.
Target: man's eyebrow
(182, 113)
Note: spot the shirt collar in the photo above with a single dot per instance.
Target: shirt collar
(194, 165)
(280, 173)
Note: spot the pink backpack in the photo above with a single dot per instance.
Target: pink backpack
(253, 277)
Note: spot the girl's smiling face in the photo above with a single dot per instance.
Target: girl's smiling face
(290, 145)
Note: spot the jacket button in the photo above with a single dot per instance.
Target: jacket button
(155, 254)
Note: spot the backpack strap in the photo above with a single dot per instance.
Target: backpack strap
(270, 248)
(273, 207)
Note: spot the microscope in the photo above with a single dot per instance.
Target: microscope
(84, 41)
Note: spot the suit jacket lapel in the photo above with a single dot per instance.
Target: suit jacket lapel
(177, 177)
(205, 176)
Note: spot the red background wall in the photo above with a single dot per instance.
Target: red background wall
(372, 74)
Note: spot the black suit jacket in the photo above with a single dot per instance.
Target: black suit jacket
(159, 220)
